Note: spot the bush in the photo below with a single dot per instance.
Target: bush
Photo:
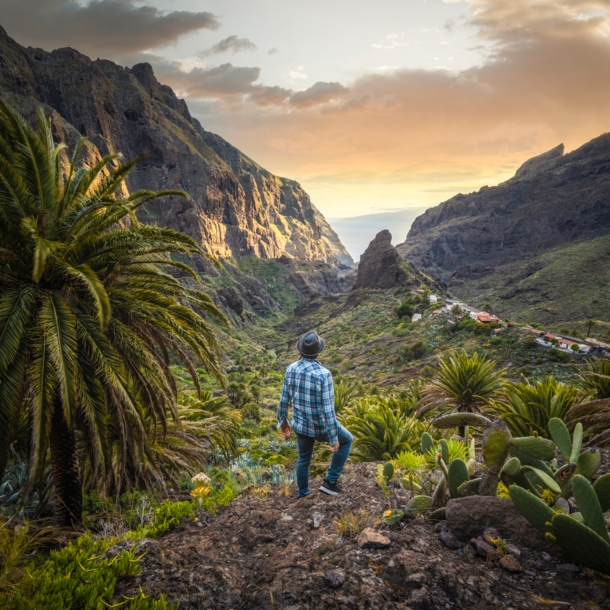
(404, 310)
(529, 341)
(251, 411)
(557, 356)
(415, 351)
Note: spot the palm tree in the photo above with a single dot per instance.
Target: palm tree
(527, 407)
(593, 412)
(380, 433)
(88, 316)
(463, 384)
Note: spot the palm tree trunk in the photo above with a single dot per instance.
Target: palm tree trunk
(65, 470)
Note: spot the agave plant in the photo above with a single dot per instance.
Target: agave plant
(88, 316)
(527, 407)
(593, 412)
(380, 433)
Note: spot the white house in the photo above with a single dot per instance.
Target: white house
(433, 298)
(416, 317)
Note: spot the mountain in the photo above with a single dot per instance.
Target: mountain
(237, 208)
(553, 199)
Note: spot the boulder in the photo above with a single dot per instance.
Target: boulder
(370, 539)
(470, 517)
(334, 578)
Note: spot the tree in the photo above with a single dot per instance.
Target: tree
(463, 384)
(456, 313)
(590, 325)
(88, 316)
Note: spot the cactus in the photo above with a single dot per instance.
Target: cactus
(602, 489)
(391, 517)
(535, 446)
(419, 504)
(581, 543)
(543, 478)
(576, 443)
(457, 474)
(512, 467)
(388, 471)
(496, 444)
(444, 450)
(588, 463)
(469, 488)
(427, 443)
(564, 475)
(439, 498)
(589, 505)
(459, 420)
(528, 460)
(532, 508)
(561, 435)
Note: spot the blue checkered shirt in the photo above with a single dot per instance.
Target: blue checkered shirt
(308, 387)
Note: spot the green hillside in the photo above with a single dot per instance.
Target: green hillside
(564, 286)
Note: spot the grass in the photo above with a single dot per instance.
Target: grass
(351, 523)
(569, 284)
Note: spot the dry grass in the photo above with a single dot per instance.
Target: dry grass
(351, 523)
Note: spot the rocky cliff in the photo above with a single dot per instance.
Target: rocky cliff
(236, 209)
(553, 199)
(382, 267)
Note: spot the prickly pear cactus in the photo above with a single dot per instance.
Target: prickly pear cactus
(589, 505)
(419, 504)
(427, 443)
(391, 517)
(496, 445)
(581, 543)
(444, 450)
(588, 463)
(537, 512)
(561, 435)
(388, 471)
(602, 489)
(457, 474)
(535, 446)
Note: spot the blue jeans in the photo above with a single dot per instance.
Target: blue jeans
(306, 444)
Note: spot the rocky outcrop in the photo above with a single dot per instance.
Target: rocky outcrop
(236, 208)
(553, 199)
(382, 267)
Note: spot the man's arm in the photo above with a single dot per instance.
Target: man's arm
(327, 409)
(282, 409)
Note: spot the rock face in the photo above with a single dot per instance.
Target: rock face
(236, 209)
(382, 267)
(552, 199)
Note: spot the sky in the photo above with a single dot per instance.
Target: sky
(373, 106)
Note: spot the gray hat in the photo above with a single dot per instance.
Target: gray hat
(310, 345)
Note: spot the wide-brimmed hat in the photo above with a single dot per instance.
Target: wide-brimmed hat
(310, 345)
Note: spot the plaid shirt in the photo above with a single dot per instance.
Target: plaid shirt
(308, 386)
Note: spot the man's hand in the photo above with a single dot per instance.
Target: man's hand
(334, 448)
(285, 429)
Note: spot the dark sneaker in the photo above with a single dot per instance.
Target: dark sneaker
(332, 489)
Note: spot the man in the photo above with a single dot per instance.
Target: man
(308, 387)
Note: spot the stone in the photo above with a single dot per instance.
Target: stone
(510, 564)
(440, 526)
(470, 517)
(481, 547)
(546, 557)
(513, 550)
(370, 539)
(382, 267)
(334, 578)
(568, 567)
(450, 541)
(317, 519)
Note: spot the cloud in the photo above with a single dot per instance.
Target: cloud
(320, 93)
(99, 28)
(231, 43)
(298, 74)
(272, 51)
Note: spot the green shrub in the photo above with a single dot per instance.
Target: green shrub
(556, 355)
(404, 310)
(415, 351)
(80, 576)
(251, 411)
(166, 516)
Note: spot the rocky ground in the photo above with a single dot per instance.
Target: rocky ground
(274, 551)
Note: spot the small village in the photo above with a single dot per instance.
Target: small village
(571, 345)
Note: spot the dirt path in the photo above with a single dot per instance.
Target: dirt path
(265, 553)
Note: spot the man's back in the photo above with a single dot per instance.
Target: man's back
(308, 387)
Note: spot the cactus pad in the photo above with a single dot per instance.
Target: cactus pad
(561, 435)
(426, 442)
(577, 443)
(391, 517)
(543, 478)
(388, 471)
(444, 450)
(458, 474)
(455, 420)
(602, 489)
(531, 507)
(588, 463)
(469, 488)
(528, 460)
(512, 467)
(419, 504)
(496, 443)
(589, 505)
(581, 543)
(535, 446)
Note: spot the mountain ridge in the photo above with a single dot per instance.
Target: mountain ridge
(236, 209)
